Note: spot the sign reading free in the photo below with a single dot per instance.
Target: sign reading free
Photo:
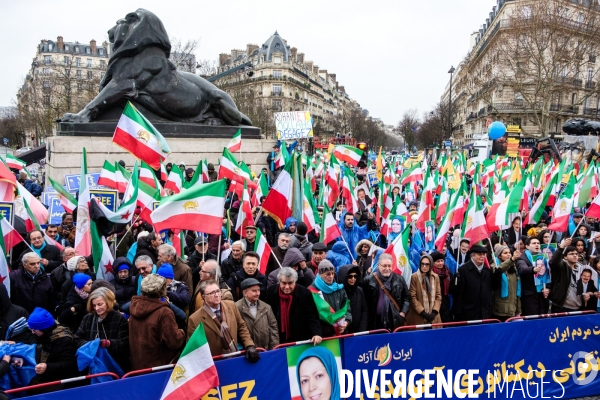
(107, 197)
(293, 125)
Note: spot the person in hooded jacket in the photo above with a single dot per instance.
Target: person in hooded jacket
(124, 283)
(9, 313)
(339, 255)
(148, 246)
(300, 241)
(75, 307)
(154, 337)
(348, 276)
(364, 261)
(294, 259)
(352, 233)
(233, 263)
(75, 265)
(55, 349)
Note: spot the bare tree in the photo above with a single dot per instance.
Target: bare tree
(541, 63)
(183, 55)
(10, 127)
(408, 126)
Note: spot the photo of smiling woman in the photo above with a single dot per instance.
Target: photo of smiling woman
(315, 376)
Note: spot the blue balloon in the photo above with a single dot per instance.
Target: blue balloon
(496, 130)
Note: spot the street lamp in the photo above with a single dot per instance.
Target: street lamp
(451, 71)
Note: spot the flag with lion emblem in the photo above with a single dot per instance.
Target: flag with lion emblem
(195, 373)
(399, 251)
(138, 136)
(197, 208)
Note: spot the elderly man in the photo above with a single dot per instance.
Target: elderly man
(250, 264)
(210, 271)
(197, 259)
(49, 254)
(294, 308)
(183, 272)
(294, 259)
(472, 288)
(532, 302)
(387, 296)
(224, 326)
(258, 316)
(276, 259)
(30, 287)
(326, 291)
(145, 267)
(319, 253)
(233, 263)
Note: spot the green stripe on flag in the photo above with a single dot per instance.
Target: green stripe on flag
(197, 340)
(132, 113)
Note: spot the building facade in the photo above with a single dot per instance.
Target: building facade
(533, 65)
(275, 77)
(64, 77)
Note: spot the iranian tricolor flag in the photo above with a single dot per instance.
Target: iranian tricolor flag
(244, 217)
(125, 212)
(10, 236)
(67, 200)
(195, 373)
(199, 208)
(562, 210)
(510, 205)
(278, 203)
(329, 228)
(262, 189)
(594, 210)
(475, 228)
(282, 157)
(587, 188)
(147, 196)
(385, 218)
(310, 216)
(399, 251)
(262, 248)
(414, 174)
(231, 170)
(331, 179)
(235, 144)
(205, 177)
(14, 162)
(34, 213)
(163, 173)
(442, 234)
(138, 136)
(103, 258)
(83, 239)
(442, 205)
(326, 312)
(175, 180)
(492, 224)
(114, 176)
(538, 207)
(348, 194)
(147, 175)
(349, 154)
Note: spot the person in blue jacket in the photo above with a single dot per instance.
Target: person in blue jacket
(339, 255)
(352, 233)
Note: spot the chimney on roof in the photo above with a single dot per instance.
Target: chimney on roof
(301, 58)
(342, 89)
(333, 77)
(222, 58)
(309, 64)
(93, 46)
(323, 71)
(316, 70)
(294, 52)
(250, 49)
(59, 43)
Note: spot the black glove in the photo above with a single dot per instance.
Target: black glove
(424, 314)
(252, 354)
(400, 320)
(434, 313)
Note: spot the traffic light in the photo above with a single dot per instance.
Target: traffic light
(363, 159)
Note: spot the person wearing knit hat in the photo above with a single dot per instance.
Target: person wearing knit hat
(166, 271)
(177, 292)
(154, 337)
(507, 300)
(443, 272)
(57, 361)
(426, 295)
(334, 294)
(75, 307)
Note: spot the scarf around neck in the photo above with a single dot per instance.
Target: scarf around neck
(83, 294)
(325, 288)
(285, 304)
(39, 251)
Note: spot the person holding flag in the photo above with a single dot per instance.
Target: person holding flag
(331, 301)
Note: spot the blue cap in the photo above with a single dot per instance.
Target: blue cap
(166, 271)
(40, 319)
(123, 266)
(80, 280)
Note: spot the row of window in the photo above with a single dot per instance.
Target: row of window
(77, 49)
(78, 61)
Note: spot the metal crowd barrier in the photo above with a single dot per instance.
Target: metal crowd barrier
(61, 382)
(348, 335)
(554, 315)
(447, 324)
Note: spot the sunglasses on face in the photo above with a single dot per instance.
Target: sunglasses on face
(352, 276)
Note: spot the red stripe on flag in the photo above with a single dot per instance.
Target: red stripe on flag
(138, 149)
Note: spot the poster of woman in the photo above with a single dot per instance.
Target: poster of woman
(430, 236)
(313, 371)
(548, 250)
(542, 278)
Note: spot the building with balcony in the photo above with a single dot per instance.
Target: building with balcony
(64, 77)
(275, 77)
(531, 64)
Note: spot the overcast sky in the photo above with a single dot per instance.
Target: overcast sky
(390, 55)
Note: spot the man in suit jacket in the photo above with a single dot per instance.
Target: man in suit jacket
(513, 234)
(472, 288)
(227, 317)
(587, 290)
(460, 253)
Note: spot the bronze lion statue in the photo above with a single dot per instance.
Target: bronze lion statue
(139, 70)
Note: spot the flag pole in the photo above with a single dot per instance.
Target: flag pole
(346, 243)
(219, 248)
(128, 229)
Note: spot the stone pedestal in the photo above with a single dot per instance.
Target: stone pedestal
(189, 143)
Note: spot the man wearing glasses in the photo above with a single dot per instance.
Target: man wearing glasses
(224, 326)
(563, 267)
(209, 271)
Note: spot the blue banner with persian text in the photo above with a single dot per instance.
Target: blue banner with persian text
(554, 358)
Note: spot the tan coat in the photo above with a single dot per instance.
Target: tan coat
(198, 300)
(263, 329)
(237, 327)
(416, 300)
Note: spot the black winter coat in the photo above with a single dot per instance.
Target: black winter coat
(71, 319)
(358, 301)
(29, 292)
(399, 292)
(473, 293)
(304, 318)
(9, 313)
(50, 253)
(236, 280)
(194, 262)
(126, 288)
(229, 267)
(114, 328)
(145, 249)
(60, 349)
(525, 269)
